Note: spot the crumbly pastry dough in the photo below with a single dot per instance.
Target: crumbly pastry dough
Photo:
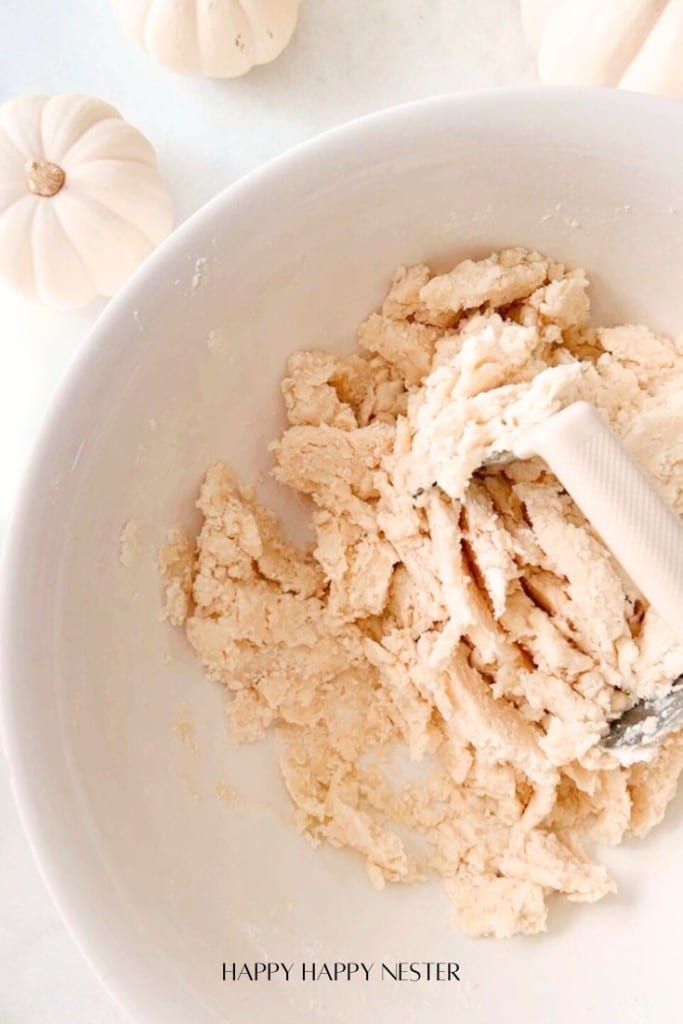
(442, 663)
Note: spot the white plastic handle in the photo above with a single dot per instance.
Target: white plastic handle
(641, 530)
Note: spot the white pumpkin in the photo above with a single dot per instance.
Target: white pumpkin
(219, 38)
(633, 44)
(81, 199)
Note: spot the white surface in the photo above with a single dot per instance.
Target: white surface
(347, 59)
(158, 878)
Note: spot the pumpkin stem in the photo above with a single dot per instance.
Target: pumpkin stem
(44, 178)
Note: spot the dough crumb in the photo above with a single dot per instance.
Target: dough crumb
(226, 793)
(176, 562)
(184, 729)
(441, 664)
(130, 544)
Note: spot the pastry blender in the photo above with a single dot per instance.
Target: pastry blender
(637, 525)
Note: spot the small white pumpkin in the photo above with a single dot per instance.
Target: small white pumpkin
(218, 38)
(633, 44)
(81, 198)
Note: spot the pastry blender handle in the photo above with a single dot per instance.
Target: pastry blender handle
(637, 525)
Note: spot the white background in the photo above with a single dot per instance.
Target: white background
(348, 58)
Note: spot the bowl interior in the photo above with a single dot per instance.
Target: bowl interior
(169, 850)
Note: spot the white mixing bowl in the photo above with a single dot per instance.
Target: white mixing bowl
(118, 748)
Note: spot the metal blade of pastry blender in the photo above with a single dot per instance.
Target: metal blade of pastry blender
(642, 531)
(647, 722)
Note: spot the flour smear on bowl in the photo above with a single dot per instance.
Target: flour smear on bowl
(442, 663)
